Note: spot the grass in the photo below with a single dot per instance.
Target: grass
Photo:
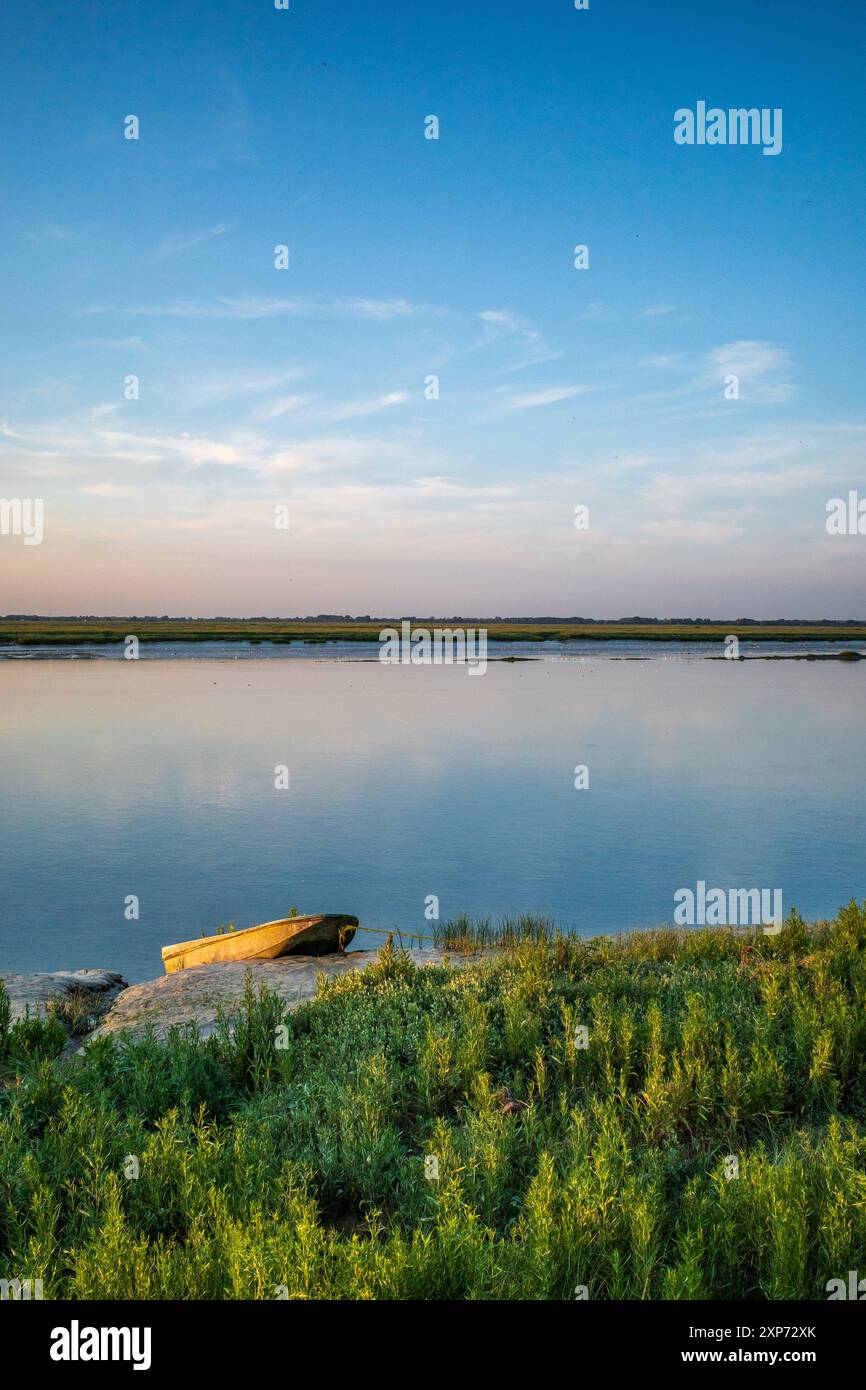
(77, 631)
(289, 1153)
(79, 1011)
(468, 935)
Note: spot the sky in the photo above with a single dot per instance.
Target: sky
(432, 386)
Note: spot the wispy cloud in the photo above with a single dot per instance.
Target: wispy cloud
(761, 369)
(134, 343)
(258, 307)
(754, 364)
(282, 406)
(237, 384)
(193, 450)
(595, 311)
(176, 245)
(50, 232)
(108, 490)
(505, 324)
(374, 308)
(501, 317)
(663, 360)
(548, 397)
(354, 409)
(656, 311)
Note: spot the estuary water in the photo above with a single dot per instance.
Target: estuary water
(157, 780)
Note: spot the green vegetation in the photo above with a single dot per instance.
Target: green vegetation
(30, 632)
(78, 1011)
(466, 934)
(559, 1165)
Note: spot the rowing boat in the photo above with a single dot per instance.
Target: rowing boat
(307, 936)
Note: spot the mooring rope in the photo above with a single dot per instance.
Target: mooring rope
(444, 944)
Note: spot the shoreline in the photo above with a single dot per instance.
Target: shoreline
(111, 1004)
(102, 1003)
(191, 650)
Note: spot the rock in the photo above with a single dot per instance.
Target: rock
(31, 993)
(194, 996)
(190, 996)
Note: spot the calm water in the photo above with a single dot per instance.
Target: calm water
(156, 778)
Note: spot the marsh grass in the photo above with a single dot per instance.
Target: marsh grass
(76, 631)
(468, 934)
(559, 1165)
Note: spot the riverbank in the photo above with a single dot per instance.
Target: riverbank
(673, 1115)
(100, 1003)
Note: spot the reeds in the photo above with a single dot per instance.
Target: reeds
(468, 934)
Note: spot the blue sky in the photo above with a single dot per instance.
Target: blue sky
(412, 257)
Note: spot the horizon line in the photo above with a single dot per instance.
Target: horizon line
(418, 617)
